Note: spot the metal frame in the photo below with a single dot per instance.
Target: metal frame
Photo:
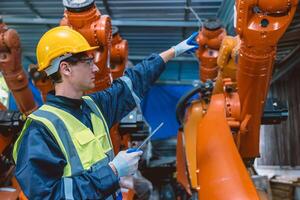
(135, 23)
(125, 15)
(288, 63)
(108, 10)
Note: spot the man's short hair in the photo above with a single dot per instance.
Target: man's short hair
(74, 59)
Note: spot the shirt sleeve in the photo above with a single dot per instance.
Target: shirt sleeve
(40, 165)
(117, 101)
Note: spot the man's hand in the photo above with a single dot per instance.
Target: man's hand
(126, 182)
(125, 163)
(189, 45)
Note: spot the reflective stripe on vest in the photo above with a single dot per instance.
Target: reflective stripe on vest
(86, 148)
(90, 102)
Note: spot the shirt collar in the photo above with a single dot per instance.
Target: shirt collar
(62, 101)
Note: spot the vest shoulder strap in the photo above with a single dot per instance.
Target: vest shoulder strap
(93, 106)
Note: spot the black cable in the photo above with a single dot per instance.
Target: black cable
(204, 89)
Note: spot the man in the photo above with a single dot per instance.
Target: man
(64, 150)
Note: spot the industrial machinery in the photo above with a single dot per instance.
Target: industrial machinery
(226, 121)
(118, 61)
(209, 40)
(84, 17)
(11, 122)
(119, 54)
(41, 81)
(12, 70)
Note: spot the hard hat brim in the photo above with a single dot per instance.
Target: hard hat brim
(84, 50)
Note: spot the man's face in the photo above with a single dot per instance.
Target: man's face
(82, 75)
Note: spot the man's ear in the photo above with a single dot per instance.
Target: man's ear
(65, 68)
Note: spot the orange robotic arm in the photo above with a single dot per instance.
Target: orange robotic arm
(96, 28)
(260, 24)
(41, 81)
(222, 174)
(232, 118)
(11, 68)
(17, 82)
(227, 61)
(118, 61)
(209, 39)
(119, 54)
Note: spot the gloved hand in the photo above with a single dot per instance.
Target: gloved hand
(189, 45)
(125, 163)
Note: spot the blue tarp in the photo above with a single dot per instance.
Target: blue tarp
(160, 106)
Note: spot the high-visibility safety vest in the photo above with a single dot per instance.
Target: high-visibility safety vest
(88, 150)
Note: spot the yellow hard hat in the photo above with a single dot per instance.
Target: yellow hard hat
(58, 42)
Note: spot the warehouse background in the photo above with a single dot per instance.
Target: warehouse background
(156, 25)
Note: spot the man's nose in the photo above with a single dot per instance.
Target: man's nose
(95, 68)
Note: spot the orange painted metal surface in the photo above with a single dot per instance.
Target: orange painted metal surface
(12, 70)
(181, 165)
(259, 33)
(41, 81)
(228, 131)
(128, 195)
(45, 85)
(4, 141)
(96, 29)
(119, 55)
(194, 116)
(115, 138)
(209, 39)
(227, 61)
(222, 174)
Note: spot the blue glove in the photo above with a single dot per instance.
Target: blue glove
(125, 163)
(189, 45)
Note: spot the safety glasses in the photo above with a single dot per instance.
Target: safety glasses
(89, 61)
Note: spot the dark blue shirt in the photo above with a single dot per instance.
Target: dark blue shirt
(40, 162)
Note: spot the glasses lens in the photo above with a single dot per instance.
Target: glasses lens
(89, 61)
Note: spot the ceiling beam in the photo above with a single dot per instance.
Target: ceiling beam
(176, 82)
(130, 57)
(287, 64)
(107, 8)
(291, 36)
(225, 14)
(33, 10)
(181, 58)
(29, 59)
(154, 23)
(186, 16)
(136, 23)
